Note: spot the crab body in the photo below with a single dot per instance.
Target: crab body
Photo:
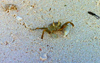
(54, 26)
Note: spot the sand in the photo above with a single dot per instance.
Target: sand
(19, 44)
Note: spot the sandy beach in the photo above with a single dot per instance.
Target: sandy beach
(19, 44)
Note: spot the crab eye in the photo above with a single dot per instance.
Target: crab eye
(59, 23)
(53, 23)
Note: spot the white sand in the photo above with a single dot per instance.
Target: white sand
(20, 45)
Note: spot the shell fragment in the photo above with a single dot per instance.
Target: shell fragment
(43, 57)
(19, 18)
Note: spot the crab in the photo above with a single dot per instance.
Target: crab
(56, 26)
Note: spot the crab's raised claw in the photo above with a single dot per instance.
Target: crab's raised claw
(66, 28)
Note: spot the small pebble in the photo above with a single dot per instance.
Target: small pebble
(19, 18)
(43, 57)
(40, 49)
(31, 7)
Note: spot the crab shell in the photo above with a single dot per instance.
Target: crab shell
(54, 26)
(66, 30)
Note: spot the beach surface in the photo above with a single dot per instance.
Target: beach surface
(19, 44)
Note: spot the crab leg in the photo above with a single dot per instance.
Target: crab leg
(45, 30)
(43, 34)
(62, 28)
(42, 28)
(68, 22)
(39, 28)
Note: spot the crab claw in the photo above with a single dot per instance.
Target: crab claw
(67, 28)
(65, 33)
